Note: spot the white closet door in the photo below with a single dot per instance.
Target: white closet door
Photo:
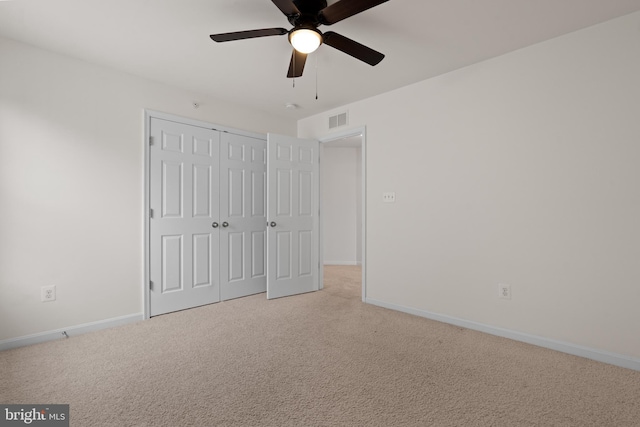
(242, 215)
(293, 233)
(184, 245)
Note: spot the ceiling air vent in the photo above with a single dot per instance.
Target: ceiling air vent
(338, 120)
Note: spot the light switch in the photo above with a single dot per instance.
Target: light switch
(389, 197)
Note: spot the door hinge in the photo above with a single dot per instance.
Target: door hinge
(150, 285)
(150, 140)
(150, 213)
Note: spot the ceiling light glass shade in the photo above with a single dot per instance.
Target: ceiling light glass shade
(305, 40)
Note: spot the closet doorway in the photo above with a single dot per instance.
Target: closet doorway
(228, 213)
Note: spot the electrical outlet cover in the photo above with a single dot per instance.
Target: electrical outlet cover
(504, 291)
(48, 293)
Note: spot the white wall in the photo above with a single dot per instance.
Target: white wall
(523, 170)
(71, 184)
(340, 197)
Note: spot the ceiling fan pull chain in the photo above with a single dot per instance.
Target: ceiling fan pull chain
(316, 77)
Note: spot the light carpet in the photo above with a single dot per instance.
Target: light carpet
(319, 359)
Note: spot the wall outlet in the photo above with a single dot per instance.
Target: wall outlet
(389, 197)
(504, 291)
(48, 293)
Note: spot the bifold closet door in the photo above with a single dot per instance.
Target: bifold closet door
(243, 216)
(184, 202)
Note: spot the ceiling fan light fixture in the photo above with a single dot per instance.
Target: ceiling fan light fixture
(305, 16)
(305, 40)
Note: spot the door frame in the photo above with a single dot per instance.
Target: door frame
(361, 132)
(148, 115)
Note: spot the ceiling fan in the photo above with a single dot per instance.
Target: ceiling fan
(306, 16)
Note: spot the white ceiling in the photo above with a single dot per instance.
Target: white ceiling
(168, 41)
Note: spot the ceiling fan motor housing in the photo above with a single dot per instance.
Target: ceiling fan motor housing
(309, 15)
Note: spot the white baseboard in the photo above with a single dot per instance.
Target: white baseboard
(70, 331)
(564, 347)
(341, 263)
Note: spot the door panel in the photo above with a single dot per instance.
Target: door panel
(242, 191)
(305, 179)
(202, 260)
(258, 190)
(171, 191)
(172, 256)
(283, 255)
(202, 203)
(305, 251)
(293, 196)
(184, 248)
(236, 255)
(258, 258)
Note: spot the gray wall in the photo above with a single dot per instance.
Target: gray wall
(71, 185)
(522, 170)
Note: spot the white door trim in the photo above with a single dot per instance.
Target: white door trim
(353, 132)
(148, 115)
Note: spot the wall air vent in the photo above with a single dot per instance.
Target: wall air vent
(338, 120)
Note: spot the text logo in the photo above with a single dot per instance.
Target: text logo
(34, 415)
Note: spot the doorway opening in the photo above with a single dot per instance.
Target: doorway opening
(343, 202)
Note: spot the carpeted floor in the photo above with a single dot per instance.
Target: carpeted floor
(319, 359)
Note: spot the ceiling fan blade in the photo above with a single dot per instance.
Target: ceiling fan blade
(353, 48)
(297, 64)
(344, 9)
(287, 7)
(250, 34)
